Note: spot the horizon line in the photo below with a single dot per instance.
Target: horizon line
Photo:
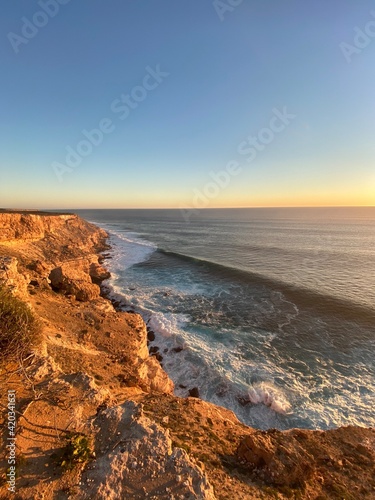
(187, 208)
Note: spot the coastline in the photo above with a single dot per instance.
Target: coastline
(93, 374)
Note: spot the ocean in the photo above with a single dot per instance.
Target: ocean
(268, 312)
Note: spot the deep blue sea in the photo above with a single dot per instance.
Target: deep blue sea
(274, 309)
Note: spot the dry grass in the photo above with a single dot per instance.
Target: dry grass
(19, 329)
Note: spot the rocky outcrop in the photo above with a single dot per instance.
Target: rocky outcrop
(49, 239)
(151, 374)
(278, 458)
(135, 459)
(11, 277)
(30, 226)
(305, 459)
(60, 252)
(72, 281)
(60, 249)
(23, 226)
(98, 273)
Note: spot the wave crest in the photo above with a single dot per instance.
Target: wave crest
(269, 395)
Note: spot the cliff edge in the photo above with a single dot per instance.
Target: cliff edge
(96, 417)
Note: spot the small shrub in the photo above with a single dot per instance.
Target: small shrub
(77, 450)
(19, 329)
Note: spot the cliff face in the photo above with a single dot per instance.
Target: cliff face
(57, 235)
(29, 226)
(93, 375)
(35, 245)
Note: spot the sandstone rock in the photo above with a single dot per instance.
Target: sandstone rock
(104, 306)
(38, 267)
(18, 226)
(24, 226)
(98, 273)
(136, 322)
(43, 368)
(10, 276)
(134, 455)
(72, 281)
(154, 377)
(278, 455)
(86, 384)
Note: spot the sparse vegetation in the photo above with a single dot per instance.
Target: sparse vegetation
(19, 329)
(77, 450)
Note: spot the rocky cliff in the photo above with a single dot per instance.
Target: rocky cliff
(91, 390)
(19, 227)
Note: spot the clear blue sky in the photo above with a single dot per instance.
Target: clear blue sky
(227, 72)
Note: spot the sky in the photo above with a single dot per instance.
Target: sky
(188, 103)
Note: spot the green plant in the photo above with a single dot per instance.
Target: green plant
(19, 329)
(77, 450)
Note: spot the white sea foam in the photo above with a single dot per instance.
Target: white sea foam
(167, 324)
(217, 372)
(270, 395)
(128, 249)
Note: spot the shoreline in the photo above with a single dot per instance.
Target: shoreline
(248, 400)
(93, 374)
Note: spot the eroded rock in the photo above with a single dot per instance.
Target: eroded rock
(279, 456)
(11, 277)
(72, 281)
(134, 455)
(154, 378)
(98, 273)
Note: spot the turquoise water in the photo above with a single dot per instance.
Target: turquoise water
(269, 312)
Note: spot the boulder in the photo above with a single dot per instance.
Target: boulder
(194, 392)
(150, 335)
(154, 377)
(98, 273)
(71, 281)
